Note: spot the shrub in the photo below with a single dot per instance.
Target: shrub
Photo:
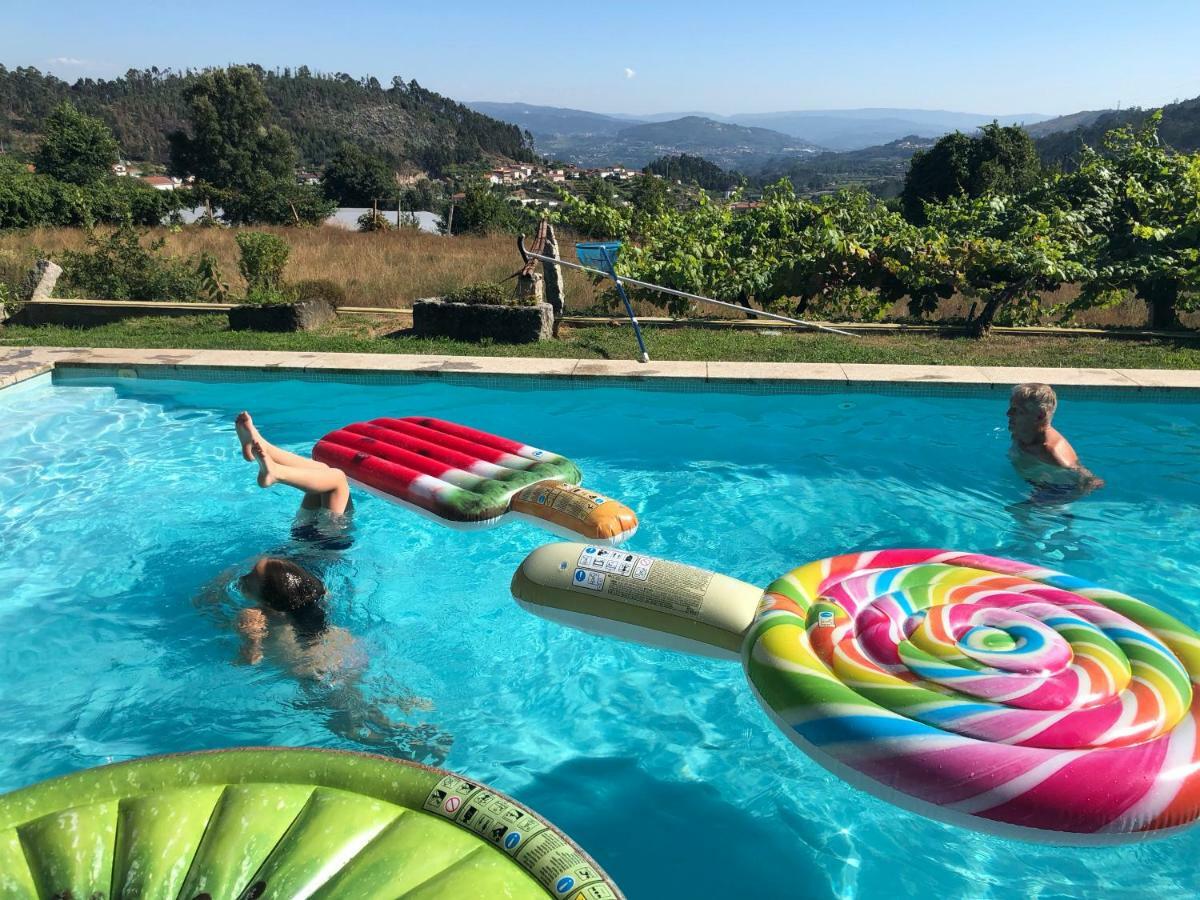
(319, 289)
(263, 259)
(118, 266)
(275, 203)
(30, 200)
(487, 293)
(373, 220)
(213, 286)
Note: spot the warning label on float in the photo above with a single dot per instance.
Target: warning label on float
(572, 501)
(643, 580)
(556, 865)
(592, 581)
(615, 562)
(448, 795)
(670, 586)
(520, 834)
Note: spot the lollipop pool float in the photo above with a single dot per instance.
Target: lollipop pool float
(1002, 696)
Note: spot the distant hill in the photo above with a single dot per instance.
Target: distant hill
(693, 170)
(553, 120)
(734, 147)
(1180, 129)
(411, 127)
(855, 129)
(880, 169)
(1070, 122)
(720, 135)
(834, 129)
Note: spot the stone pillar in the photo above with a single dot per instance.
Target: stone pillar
(39, 283)
(531, 285)
(556, 294)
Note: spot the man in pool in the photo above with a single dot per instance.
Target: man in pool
(324, 487)
(1041, 455)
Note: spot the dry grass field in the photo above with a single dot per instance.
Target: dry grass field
(388, 269)
(391, 269)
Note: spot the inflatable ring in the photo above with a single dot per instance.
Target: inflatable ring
(271, 822)
(468, 478)
(1010, 698)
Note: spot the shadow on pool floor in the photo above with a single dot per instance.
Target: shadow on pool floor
(696, 844)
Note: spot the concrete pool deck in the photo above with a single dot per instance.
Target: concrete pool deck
(21, 363)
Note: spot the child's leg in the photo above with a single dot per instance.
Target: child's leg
(322, 480)
(248, 434)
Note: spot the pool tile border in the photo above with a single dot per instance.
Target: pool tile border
(20, 363)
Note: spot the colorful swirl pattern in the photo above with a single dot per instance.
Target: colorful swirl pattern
(1003, 695)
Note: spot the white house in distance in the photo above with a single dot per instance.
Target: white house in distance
(162, 182)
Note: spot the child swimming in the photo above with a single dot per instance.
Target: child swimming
(289, 609)
(324, 487)
(288, 626)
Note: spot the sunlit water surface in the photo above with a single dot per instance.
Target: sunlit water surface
(125, 509)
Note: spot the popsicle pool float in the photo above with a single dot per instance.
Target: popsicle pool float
(994, 694)
(466, 478)
(279, 823)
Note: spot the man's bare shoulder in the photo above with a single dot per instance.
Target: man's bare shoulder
(1059, 450)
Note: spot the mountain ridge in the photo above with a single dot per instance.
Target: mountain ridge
(734, 147)
(834, 129)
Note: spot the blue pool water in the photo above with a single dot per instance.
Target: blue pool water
(125, 509)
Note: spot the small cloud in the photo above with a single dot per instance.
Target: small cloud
(629, 73)
(67, 61)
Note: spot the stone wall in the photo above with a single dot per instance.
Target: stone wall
(303, 316)
(474, 321)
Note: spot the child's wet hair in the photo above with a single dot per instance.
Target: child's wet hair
(287, 587)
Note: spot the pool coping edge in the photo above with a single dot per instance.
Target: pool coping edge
(19, 364)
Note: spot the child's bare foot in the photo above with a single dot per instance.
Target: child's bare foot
(266, 477)
(246, 432)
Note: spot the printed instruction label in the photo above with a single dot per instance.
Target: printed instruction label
(593, 581)
(644, 580)
(615, 562)
(571, 500)
(522, 835)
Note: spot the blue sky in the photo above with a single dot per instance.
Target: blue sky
(1053, 56)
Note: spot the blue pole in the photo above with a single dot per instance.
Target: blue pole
(637, 329)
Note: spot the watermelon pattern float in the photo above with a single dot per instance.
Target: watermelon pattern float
(469, 478)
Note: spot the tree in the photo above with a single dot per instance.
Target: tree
(75, 148)
(1000, 160)
(648, 194)
(242, 160)
(232, 146)
(1008, 251)
(355, 177)
(481, 211)
(1142, 201)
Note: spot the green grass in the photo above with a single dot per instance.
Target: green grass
(353, 334)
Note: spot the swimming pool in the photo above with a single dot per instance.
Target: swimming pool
(124, 501)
